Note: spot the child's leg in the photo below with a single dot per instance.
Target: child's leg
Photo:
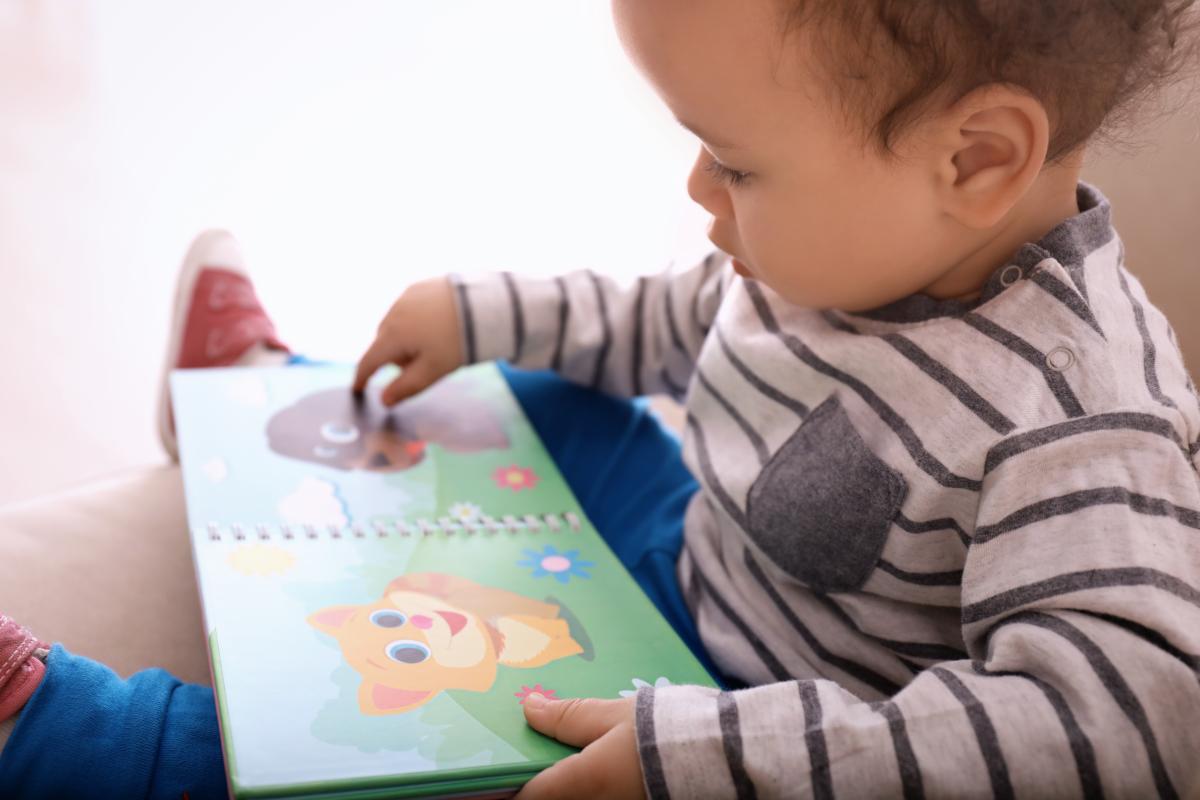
(628, 474)
(87, 733)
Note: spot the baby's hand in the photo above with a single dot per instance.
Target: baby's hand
(420, 334)
(608, 767)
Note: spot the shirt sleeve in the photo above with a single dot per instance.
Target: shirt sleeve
(635, 340)
(1081, 616)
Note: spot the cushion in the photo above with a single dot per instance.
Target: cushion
(107, 570)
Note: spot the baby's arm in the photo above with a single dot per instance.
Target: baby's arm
(1081, 611)
(635, 340)
(631, 341)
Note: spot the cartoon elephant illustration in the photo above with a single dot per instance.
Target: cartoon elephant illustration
(338, 428)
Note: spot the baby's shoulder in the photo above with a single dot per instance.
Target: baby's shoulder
(1104, 348)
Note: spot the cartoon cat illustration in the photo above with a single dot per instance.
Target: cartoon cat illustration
(431, 632)
(339, 429)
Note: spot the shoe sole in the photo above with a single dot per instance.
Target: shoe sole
(194, 261)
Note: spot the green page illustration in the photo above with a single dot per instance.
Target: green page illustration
(383, 588)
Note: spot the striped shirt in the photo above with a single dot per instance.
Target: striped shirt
(952, 548)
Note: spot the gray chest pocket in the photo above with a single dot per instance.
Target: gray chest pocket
(822, 507)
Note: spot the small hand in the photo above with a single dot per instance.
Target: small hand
(419, 334)
(608, 766)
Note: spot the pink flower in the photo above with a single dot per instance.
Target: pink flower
(515, 478)
(536, 689)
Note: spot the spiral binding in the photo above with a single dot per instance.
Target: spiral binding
(442, 526)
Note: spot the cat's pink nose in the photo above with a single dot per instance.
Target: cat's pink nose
(421, 621)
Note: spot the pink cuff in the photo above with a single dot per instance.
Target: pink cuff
(20, 670)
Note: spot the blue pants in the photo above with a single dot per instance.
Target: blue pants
(88, 733)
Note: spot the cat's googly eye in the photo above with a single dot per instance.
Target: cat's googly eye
(407, 651)
(339, 432)
(325, 451)
(385, 618)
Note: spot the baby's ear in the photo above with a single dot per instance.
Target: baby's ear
(992, 145)
(331, 620)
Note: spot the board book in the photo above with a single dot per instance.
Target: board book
(383, 588)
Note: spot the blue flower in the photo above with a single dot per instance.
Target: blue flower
(551, 562)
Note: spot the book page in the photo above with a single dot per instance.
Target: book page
(383, 589)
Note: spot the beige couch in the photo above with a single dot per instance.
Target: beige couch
(1154, 186)
(107, 571)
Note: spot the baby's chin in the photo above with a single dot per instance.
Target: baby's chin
(826, 297)
(858, 287)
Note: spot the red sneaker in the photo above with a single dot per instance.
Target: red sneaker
(20, 669)
(217, 319)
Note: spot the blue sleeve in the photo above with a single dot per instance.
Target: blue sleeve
(86, 732)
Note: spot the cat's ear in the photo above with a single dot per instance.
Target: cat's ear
(330, 620)
(376, 699)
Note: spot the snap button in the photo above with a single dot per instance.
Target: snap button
(1011, 274)
(1060, 359)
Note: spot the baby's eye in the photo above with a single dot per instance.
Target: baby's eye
(339, 432)
(724, 174)
(385, 618)
(407, 651)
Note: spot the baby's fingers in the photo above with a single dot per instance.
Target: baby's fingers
(577, 721)
(607, 769)
(414, 378)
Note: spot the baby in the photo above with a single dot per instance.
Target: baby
(947, 453)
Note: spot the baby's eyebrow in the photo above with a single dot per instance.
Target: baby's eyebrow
(707, 139)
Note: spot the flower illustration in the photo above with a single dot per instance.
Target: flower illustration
(535, 689)
(551, 562)
(638, 683)
(465, 512)
(515, 478)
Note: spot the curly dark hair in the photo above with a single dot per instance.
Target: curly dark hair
(1091, 63)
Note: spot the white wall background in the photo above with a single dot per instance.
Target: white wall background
(354, 147)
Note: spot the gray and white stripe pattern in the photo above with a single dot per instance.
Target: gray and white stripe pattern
(953, 548)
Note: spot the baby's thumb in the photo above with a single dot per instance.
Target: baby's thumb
(577, 721)
(414, 378)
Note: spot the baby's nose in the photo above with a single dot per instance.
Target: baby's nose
(421, 621)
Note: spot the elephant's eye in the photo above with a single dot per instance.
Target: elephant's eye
(407, 651)
(339, 432)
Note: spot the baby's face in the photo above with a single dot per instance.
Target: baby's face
(812, 208)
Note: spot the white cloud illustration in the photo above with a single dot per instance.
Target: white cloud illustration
(314, 502)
